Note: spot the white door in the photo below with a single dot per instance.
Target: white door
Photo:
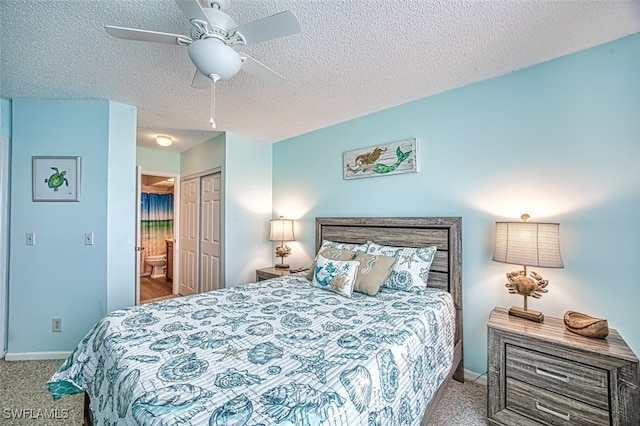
(210, 218)
(138, 248)
(189, 236)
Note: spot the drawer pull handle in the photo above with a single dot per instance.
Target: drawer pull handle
(563, 416)
(556, 376)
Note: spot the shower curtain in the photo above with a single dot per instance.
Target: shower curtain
(156, 226)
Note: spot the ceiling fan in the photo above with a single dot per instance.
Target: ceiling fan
(213, 35)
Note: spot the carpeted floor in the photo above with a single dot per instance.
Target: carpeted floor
(22, 392)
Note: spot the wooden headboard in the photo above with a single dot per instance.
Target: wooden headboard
(443, 232)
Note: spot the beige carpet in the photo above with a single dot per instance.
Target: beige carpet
(22, 392)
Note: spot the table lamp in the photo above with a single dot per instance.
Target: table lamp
(282, 230)
(528, 244)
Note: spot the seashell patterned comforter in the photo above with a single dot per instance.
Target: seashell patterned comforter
(277, 352)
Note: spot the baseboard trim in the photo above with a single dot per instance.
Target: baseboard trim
(472, 376)
(35, 356)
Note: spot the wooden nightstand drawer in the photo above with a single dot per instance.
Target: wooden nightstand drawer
(551, 408)
(563, 376)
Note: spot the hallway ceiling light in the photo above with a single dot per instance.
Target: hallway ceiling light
(164, 140)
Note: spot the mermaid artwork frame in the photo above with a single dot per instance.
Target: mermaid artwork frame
(381, 160)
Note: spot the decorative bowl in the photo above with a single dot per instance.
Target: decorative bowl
(585, 325)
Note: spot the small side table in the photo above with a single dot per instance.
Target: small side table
(271, 272)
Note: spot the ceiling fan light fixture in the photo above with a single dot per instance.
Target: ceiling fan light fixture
(212, 56)
(164, 140)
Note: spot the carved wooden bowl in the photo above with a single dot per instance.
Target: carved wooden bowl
(585, 325)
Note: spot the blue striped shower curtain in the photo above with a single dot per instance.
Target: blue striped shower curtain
(156, 225)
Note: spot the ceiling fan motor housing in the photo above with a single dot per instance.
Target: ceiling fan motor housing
(219, 21)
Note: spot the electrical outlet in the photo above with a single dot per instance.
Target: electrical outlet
(56, 325)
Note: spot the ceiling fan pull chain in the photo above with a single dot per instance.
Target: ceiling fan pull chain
(213, 102)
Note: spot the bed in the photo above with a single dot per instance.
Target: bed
(282, 351)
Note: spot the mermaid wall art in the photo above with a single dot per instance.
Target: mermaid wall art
(381, 160)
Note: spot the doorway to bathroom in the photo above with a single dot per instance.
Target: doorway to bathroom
(157, 225)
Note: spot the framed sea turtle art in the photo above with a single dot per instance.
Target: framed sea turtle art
(381, 160)
(56, 178)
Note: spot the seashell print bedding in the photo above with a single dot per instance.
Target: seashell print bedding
(300, 355)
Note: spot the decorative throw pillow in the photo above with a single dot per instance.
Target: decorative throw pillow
(411, 269)
(335, 275)
(373, 270)
(330, 253)
(326, 244)
(361, 248)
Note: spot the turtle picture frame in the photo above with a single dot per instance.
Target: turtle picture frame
(56, 178)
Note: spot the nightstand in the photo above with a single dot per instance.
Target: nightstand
(272, 272)
(543, 373)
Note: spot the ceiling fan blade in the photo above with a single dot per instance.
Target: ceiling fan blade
(260, 70)
(274, 26)
(144, 35)
(200, 81)
(192, 9)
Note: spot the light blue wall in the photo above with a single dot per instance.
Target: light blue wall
(246, 192)
(558, 140)
(158, 160)
(60, 276)
(206, 156)
(247, 208)
(121, 203)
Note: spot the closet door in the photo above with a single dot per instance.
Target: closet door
(189, 236)
(210, 245)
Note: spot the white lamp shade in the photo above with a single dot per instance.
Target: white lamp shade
(528, 244)
(282, 230)
(212, 56)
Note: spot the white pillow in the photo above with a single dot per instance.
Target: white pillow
(336, 275)
(410, 271)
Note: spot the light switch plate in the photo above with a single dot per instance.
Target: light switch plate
(31, 238)
(88, 238)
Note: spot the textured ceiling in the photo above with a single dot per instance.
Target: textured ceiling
(352, 57)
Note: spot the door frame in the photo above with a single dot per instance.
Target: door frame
(176, 224)
(4, 242)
